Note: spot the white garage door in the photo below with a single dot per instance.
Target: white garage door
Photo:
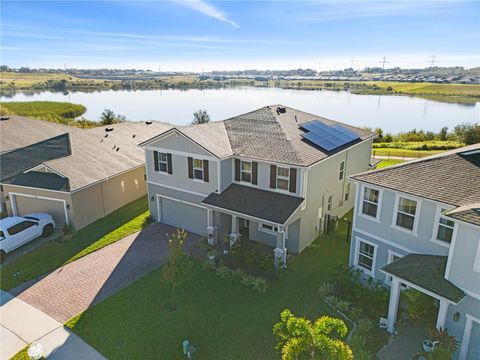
(27, 205)
(183, 215)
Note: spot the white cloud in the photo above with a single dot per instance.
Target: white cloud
(209, 10)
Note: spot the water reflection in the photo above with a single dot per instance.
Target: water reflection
(392, 113)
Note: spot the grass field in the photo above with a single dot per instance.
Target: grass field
(222, 319)
(403, 153)
(46, 110)
(387, 163)
(115, 226)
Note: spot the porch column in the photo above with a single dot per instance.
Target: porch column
(442, 314)
(393, 304)
(234, 235)
(280, 251)
(210, 228)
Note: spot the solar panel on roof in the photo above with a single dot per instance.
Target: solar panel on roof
(328, 137)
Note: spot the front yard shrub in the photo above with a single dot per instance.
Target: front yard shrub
(238, 276)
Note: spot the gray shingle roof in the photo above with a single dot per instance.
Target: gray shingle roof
(93, 157)
(452, 177)
(15, 161)
(41, 180)
(469, 213)
(19, 131)
(264, 134)
(267, 205)
(426, 271)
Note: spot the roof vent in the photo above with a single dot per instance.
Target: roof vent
(106, 135)
(296, 120)
(133, 136)
(149, 122)
(281, 110)
(117, 149)
(108, 129)
(2, 118)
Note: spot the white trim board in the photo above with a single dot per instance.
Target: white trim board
(14, 203)
(383, 240)
(177, 189)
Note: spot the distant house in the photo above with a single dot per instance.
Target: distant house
(274, 175)
(417, 224)
(75, 175)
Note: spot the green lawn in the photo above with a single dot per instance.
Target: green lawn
(387, 163)
(115, 226)
(222, 319)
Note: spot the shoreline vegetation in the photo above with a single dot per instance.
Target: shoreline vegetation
(12, 82)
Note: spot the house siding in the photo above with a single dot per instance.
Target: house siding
(322, 181)
(463, 255)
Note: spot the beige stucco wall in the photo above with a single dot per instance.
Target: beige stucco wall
(93, 202)
(96, 201)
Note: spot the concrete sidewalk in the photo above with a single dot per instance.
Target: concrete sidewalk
(21, 324)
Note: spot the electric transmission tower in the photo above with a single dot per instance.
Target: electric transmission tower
(383, 62)
(433, 60)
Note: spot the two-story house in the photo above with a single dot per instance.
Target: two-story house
(417, 224)
(273, 173)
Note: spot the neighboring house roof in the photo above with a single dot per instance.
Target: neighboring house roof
(96, 154)
(452, 177)
(469, 213)
(427, 272)
(19, 131)
(16, 161)
(262, 204)
(42, 180)
(271, 133)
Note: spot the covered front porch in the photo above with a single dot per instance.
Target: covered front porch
(424, 273)
(263, 216)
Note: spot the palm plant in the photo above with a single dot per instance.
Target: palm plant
(300, 338)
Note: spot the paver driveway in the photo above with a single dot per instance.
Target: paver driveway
(74, 287)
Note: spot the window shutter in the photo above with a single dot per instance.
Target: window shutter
(205, 170)
(155, 160)
(190, 168)
(169, 163)
(237, 169)
(293, 180)
(254, 173)
(273, 176)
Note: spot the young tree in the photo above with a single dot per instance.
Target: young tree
(107, 117)
(442, 135)
(200, 117)
(178, 269)
(468, 133)
(299, 337)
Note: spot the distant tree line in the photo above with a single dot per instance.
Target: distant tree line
(466, 133)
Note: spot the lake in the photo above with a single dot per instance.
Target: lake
(391, 113)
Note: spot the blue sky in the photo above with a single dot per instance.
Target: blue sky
(198, 34)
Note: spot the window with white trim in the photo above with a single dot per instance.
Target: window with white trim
(406, 212)
(163, 162)
(246, 171)
(198, 169)
(370, 202)
(476, 264)
(445, 228)
(347, 192)
(329, 203)
(341, 171)
(283, 178)
(366, 255)
(270, 228)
